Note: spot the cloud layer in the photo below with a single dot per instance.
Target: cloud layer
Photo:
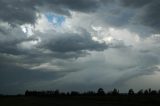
(100, 43)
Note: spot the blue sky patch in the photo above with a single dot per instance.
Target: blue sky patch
(57, 20)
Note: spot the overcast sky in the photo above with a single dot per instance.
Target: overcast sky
(79, 45)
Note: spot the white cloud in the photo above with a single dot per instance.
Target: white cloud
(28, 29)
(43, 25)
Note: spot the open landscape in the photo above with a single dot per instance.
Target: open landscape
(80, 101)
(90, 98)
(79, 52)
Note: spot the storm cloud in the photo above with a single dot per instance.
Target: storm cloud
(80, 45)
(74, 43)
(147, 12)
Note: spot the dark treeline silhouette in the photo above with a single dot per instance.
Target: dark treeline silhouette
(143, 97)
(100, 92)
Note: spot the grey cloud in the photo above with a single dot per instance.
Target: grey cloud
(107, 65)
(135, 73)
(111, 70)
(15, 79)
(69, 55)
(19, 72)
(147, 12)
(63, 5)
(115, 16)
(10, 38)
(24, 11)
(75, 43)
(141, 12)
(17, 11)
(81, 5)
(30, 75)
(135, 3)
(140, 16)
(72, 44)
(150, 15)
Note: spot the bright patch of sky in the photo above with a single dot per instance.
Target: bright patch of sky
(28, 29)
(56, 20)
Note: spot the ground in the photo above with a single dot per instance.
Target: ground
(80, 101)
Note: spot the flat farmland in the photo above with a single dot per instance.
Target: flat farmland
(80, 101)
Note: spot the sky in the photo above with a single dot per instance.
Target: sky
(79, 45)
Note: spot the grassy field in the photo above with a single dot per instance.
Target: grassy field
(80, 101)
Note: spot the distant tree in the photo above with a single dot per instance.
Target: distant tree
(153, 92)
(130, 92)
(75, 93)
(149, 90)
(115, 92)
(89, 93)
(146, 92)
(100, 91)
(62, 94)
(140, 92)
(27, 93)
(68, 94)
(56, 92)
(158, 92)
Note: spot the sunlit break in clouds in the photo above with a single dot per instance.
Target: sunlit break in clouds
(57, 20)
(79, 45)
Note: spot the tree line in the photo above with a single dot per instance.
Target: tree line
(100, 92)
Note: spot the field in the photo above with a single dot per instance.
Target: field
(80, 101)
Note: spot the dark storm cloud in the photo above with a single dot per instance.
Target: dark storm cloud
(3, 30)
(10, 38)
(135, 3)
(80, 5)
(52, 58)
(12, 73)
(74, 43)
(138, 71)
(139, 12)
(147, 12)
(21, 67)
(150, 15)
(17, 11)
(64, 46)
(14, 78)
(70, 45)
(24, 11)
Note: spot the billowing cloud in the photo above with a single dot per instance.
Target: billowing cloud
(146, 12)
(63, 5)
(17, 11)
(71, 42)
(26, 11)
(78, 45)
